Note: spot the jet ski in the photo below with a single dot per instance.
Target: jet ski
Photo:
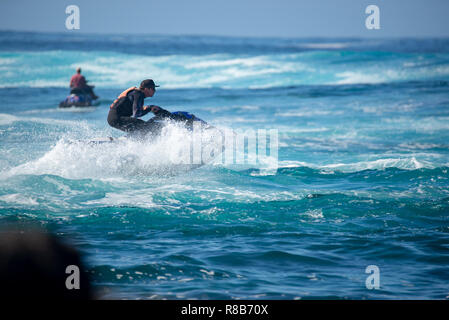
(78, 100)
(155, 125)
(210, 141)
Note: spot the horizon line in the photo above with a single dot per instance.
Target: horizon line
(358, 37)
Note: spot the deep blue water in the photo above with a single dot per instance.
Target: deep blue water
(362, 178)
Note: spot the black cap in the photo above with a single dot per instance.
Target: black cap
(148, 83)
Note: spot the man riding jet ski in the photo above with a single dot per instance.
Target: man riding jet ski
(128, 107)
(81, 94)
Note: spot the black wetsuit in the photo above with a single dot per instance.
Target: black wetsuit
(124, 112)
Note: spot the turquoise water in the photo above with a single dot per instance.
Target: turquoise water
(362, 179)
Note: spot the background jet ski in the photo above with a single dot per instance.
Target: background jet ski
(78, 100)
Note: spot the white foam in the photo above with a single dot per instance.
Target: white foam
(351, 77)
(402, 163)
(6, 61)
(410, 163)
(308, 113)
(105, 69)
(7, 119)
(19, 199)
(141, 199)
(112, 70)
(330, 45)
(226, 62)
(422, 146)
(78, 159)
(302, 130)
(315, 213)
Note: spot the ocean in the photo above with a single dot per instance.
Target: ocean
(361, 179)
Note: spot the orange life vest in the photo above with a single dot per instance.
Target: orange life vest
(123, 95)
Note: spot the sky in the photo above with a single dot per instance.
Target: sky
(254, 18)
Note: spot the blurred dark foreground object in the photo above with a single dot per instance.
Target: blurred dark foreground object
(33, 266)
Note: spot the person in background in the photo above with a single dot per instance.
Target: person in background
(78, 85)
